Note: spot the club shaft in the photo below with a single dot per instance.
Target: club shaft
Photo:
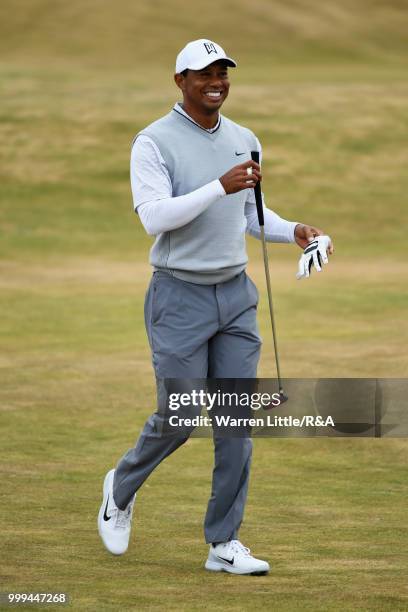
(269, 290)
(259, 208)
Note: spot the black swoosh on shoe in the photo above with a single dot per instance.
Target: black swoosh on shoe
(230, 561)
(105, 516)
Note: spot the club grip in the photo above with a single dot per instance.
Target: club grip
(258, 194)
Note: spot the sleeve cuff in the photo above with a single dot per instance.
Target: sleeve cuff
(218, 188)
(291, 232)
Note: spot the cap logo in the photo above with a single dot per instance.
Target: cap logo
(210, 48)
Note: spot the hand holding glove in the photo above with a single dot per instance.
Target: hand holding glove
(314, 254)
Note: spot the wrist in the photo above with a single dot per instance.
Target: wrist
(221, 187)
(296, 228)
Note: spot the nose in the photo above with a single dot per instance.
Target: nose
(215, 81)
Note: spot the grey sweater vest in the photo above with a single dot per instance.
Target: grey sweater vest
(211, 248)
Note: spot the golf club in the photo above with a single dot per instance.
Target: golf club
(259, 208)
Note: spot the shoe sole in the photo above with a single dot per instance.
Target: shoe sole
(213, 566)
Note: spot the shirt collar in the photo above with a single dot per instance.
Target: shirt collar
(178, 107)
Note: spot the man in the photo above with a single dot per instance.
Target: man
(192, 181)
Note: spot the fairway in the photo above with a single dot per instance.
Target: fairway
(329, 105)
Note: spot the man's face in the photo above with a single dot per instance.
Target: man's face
(205, 90)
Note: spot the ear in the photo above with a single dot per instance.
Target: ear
(179, 80)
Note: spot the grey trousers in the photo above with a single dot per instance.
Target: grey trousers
(198, 332)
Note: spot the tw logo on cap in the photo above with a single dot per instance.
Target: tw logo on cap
(210, 48)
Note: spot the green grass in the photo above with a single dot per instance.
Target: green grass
(334, 154)
(324, 87)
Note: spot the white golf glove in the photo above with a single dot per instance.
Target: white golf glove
(315, 253)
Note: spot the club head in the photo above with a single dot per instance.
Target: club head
(282, 399)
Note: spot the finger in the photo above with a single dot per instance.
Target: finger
(325, 246)
(301, 268)
(254, 175)
(316, 262)
(311, 232)
(323, 256)
(250, 179)
(308, 263)
(250, 164)
(308, 233)
(316, 231)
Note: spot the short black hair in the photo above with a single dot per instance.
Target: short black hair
(184, 73)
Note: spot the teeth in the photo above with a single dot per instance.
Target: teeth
(213, 94)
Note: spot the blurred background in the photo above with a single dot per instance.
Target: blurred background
(324, 87)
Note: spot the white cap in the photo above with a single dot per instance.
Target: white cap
(198, 54)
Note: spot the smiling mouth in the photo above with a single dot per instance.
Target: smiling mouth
(213, 95)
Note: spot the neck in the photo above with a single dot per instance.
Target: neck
(206, 121)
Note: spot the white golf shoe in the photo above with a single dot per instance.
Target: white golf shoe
(235, 558)
(114, 524)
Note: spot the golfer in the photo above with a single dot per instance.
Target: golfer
(192, 181)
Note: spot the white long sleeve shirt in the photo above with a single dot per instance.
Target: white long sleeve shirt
(160, 212)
